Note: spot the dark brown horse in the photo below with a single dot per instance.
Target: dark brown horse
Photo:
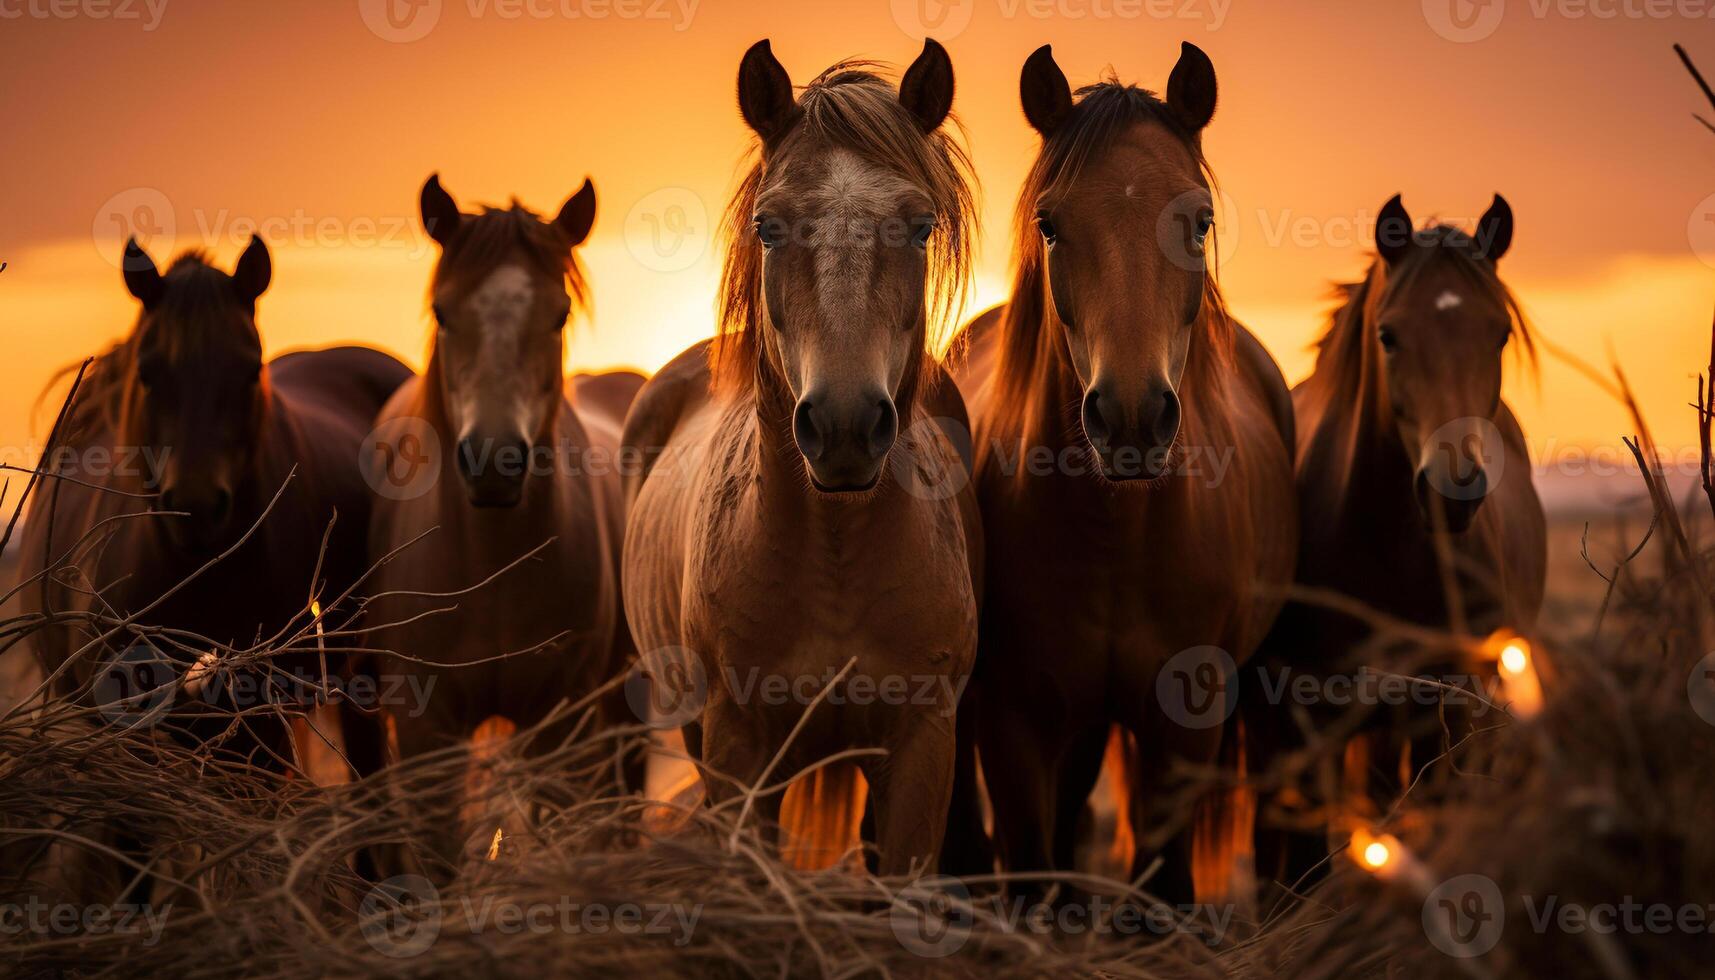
(490, 456)
(185, 415)
(785, 526)
(1133, 467)
(1402, 430)
(185, 408)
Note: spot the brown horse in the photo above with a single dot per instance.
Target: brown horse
(510, 462)
(185, 413)
(187, 400)
(1401, 429)
(779, 531)
(1133, 468)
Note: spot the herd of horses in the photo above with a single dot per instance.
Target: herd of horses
(854, 500)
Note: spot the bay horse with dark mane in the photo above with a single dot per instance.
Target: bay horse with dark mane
(1123, 562)
(1403, 438)
(214, 433)
(802, 508)
(521, 466)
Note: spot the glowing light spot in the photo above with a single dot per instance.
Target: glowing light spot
(1376, 855)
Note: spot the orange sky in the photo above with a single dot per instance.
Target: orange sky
(197, 120)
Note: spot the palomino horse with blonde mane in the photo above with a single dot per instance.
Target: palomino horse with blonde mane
(255, 465)
(1403, 439)
(1133, 467)
(802, 509)
(517, 466)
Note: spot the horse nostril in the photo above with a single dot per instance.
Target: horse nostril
(882, 429)
(1166, 424)
(807, 429)
(1095, 424)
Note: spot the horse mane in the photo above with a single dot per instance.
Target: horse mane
(851, 106)
(194, 292)
(1027, 344)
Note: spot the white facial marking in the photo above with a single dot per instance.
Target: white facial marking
(1449, 300)
(853, 198)
(502, 306)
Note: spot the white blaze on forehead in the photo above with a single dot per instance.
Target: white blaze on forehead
(1449, 300)
(847, 210)
(502, 302)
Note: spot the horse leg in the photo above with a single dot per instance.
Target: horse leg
(434, 804)
(910, 791)
(1157, 758)
(735, 755)
(1080, 767)
(966, 848)
(1022, 789)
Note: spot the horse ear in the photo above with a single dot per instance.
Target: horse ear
(255, 270)
(141, 276)
(1393, 231)
(577, 215)
(765, 93)
(1191, 88)
(927, 88)
(440, 212)
(1043, 89)
(1495, 230)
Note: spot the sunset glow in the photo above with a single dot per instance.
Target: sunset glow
(316, 127)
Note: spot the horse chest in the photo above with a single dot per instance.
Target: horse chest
(801, 600)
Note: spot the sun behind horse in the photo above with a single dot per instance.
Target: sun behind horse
(1133, 467)
(794, 516)
(516, 466)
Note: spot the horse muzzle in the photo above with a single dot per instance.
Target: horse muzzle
(203, 514)
(845, 443)
(1458, 495)
(493, 470)
(1133, 442)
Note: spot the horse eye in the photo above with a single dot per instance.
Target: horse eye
(440, 316)
(1205, 224)
(924, 228)
(1390, 343)
(770, 231)
(1045, 225)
